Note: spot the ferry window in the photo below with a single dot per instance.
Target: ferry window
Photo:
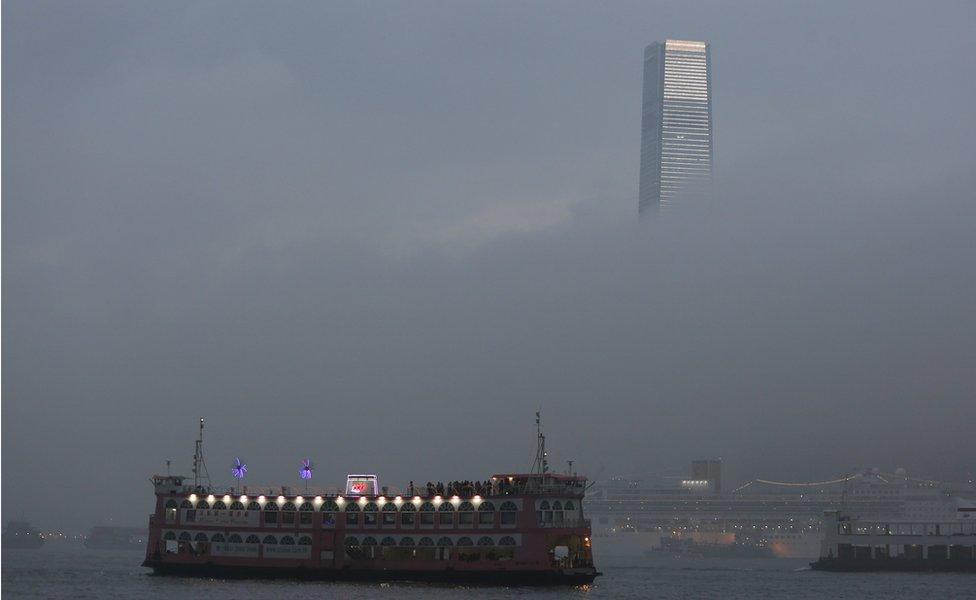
(558, 514)
(425, 541)
(569, 505)
(270, 516)
(445, 542)
(287, 517)
(287, 541)
(202, 505)
(304, 541)
(185, 536)
(305, 518)
(352, 516)
(369, 541)
(171, 504)
(507, 541)
(389, 518)
(407, 517)
(306, 506)
(406, 541)
(446, 514)
(466, 514)
(237, 505)
(191, 515)
(369, 514)
(186, 504)
(287, 506)
(219, 537)
(485, 541)
(253, 539)
(351, 541)
(219, 505)
(557, 505)
(330, 506)
(426, 513)
(328, 519)
(253, 505)
(200, 537)
(170, 535)
(465, 541)
(388, 541)
(270, 539)
(508, 513)
(486, 513)
(234, 539)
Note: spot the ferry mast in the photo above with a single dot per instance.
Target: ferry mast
(541, 464)
(199, 466)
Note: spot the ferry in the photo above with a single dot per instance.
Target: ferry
(513, 528)
(852, 544)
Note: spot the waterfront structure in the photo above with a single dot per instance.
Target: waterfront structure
(676, 123)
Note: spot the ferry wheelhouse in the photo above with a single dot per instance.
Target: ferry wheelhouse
(511, 529)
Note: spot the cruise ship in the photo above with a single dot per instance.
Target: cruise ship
(512, 528)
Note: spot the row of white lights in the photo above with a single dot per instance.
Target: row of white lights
(318, 500)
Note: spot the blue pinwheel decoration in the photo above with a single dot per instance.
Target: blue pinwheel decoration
(240, 469)
(306, 470)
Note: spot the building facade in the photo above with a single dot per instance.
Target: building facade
(676, 123)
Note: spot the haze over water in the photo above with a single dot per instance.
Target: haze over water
(81, 574)
(381, 237)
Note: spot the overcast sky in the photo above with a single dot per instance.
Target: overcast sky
(381, 235)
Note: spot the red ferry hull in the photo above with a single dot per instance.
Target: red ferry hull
(449, 575)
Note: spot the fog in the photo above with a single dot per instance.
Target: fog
(381, 236)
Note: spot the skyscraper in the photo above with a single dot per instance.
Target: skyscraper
(676, 122)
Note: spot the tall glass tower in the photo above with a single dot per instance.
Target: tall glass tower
(676, 123)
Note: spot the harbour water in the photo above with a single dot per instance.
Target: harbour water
(71, 571)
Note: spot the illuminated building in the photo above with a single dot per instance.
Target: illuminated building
(676, 123)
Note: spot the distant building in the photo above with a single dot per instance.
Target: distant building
(709, 471)
(676, 123)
